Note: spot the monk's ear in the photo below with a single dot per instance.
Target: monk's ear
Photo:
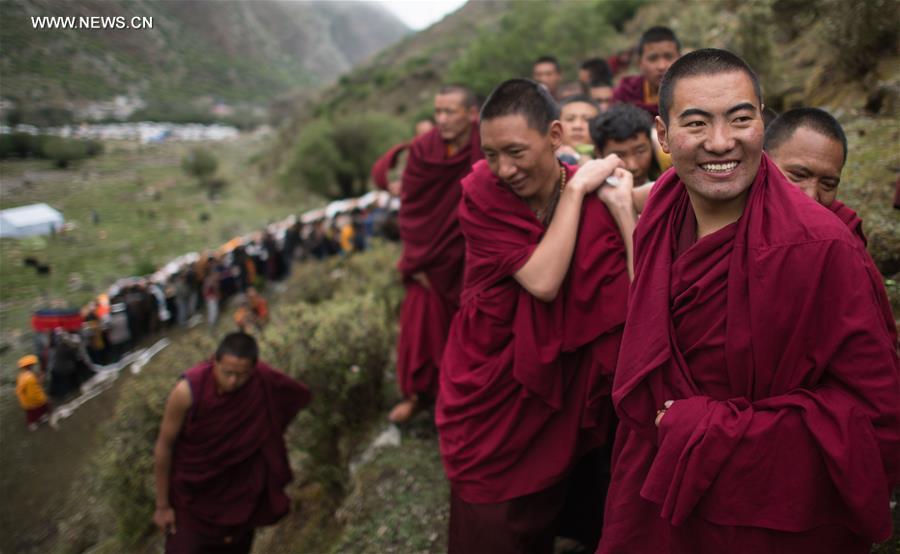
(662, 135)
(556, 134)
(473, 113)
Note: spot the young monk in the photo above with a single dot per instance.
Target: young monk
(576, 114)
(657, 50)
(758, 390)
(527, 369)
(625, 131)
(432, 260)
(809, 146)
(220, 459)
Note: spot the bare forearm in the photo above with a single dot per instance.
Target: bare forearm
(545, 270)
(162, 468)
(626, 221)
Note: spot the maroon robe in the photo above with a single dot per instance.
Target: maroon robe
(630, 90)
(854, 223)
(230, 466)
(785, 432)
(432, 244)
(524, 383)
(385, 163)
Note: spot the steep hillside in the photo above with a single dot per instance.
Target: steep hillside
(246, 51)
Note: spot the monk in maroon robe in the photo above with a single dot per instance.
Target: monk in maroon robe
(432, 260)
(220, 460)
(758, 390)
(526, 374)
(810, 148)
(657, 50)
(394, 160)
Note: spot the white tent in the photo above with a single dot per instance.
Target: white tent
(26, 221)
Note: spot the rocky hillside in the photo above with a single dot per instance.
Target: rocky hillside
(237, 51)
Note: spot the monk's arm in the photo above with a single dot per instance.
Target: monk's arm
(640, 195)
(543, 273)
(619, 202)
(177, 406)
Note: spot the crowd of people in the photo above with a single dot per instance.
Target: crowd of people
(643, 320)
(71, 345)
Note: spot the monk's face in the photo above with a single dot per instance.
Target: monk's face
(522, 157)
(424, 126)
(576, 118)
(636, 152)
(231, 373)
(603, 96)
(547, 74)
(452, 117)
(656, 57)
(715, 137)
(813, 162)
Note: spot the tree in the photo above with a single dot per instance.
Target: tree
(334, 157)
(200, 163)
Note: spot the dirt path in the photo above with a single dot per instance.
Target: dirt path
(41, 469)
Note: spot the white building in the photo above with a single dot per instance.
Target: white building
(26, 221)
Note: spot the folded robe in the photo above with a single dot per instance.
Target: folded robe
(785, 432)
(524, 383)
(385, 163)
(854, 223)
(230, 466)
(432, 244)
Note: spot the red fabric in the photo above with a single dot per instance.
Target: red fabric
(385, 163)
(854, 223)
(785, 432)
(33, 415)
(230, 465)
(48, 320)
(524, 383)
(631, 91)
(850, 219)
(433, 244)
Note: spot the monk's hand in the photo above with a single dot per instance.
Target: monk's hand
(661, 412)
(594, 173)
(421, 278)
(164, 518)
(394, 187)
(618, 195)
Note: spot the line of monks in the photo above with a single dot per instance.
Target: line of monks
(740, 394)
(701, 363)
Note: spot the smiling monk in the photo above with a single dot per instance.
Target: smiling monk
(755, 417)
(523, 411)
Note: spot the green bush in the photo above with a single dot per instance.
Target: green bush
(340, 348)
(200, 163)
(334, 157)
(64, 151)
(126, 459)
(859, 34)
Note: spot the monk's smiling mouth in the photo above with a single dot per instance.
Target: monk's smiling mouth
(719, 167)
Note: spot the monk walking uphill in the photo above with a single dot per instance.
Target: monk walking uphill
(220, 460)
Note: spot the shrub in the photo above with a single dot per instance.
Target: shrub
(334, 157)
(63, 151)
(340, 348)
(200, 163)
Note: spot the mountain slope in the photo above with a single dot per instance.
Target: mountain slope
(237, 51)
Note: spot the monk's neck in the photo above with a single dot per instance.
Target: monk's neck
(458, 143)
(714, 215)
(541, 200)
